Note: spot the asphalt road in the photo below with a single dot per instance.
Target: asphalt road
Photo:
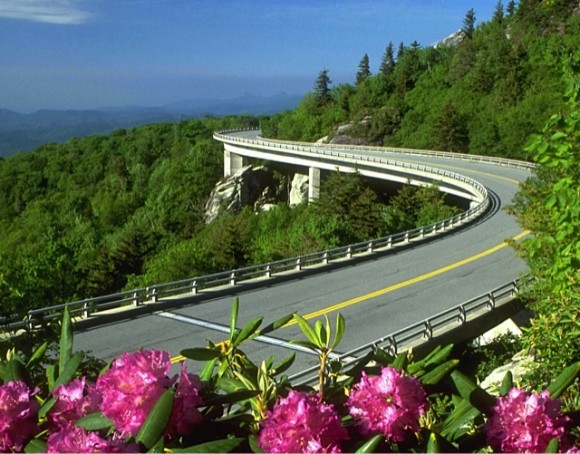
(376, 297)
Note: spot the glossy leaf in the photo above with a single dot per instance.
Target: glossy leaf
(307, 330)
(95, 421)
(38, 354)
(371, 444)
(438, 373)
(200, 354)
(507, 383)
(66, 341)
(339, 333)
(479, 398)
(283, 365)
(282, 321)
(248, 331)
(70, 370)
(155, 424)
(563, 380)
(35, 446)
(234, 318)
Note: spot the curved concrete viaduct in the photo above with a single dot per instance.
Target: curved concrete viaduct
(377, 296)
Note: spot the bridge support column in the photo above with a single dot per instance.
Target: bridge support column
(232, 163)
(313, 184)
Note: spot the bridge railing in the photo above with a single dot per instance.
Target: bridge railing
(424, 330)
(408, 151)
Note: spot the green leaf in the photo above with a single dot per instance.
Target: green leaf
(506, 384)
(225, 445)
(562, 381)
(232, 398)
(277, 324)
(248, 330)
(46, 407)
(50, 376)
(480, 399)
(371, 444)
(283, 365)
(155, 424)
(38, 354)
(307, 330)
(401, 361)
(253, 442)
(553, 446)
(433, 443)
(200, 353)
(95, 421)
(66, 341)
(207, 371)
(15, 370)
(321, 333)
(463, 413)
(305, 344)
(438, 373)
(340, 326)
(35, 446)
(234, 318)
(69, 371)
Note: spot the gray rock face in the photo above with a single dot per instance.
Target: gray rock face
(245, 187)
(299, 189)
(452, 40)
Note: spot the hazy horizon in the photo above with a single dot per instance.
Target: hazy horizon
(87, 54)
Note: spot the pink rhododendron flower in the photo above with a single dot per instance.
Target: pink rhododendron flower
(74, 400)
(523, 422)
(301, 422)
(74, 439)
(18, 415)
(132, 386)
(185, 414)
(389, 404)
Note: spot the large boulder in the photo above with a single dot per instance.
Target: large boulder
(243, 188)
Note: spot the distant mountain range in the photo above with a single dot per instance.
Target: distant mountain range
(25, 132)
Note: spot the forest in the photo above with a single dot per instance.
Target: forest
(109, 212)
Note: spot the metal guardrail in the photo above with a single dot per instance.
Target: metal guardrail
(424, 330)
(92, 307)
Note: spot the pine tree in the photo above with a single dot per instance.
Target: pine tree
(401, 51)
(497, 17)
(469, 23)
(388, 62)
(511, 8)
(363, 69)
(321, 87)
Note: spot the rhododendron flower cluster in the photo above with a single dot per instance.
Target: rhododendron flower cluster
(74, 439)
(185, 414)
(523, 422)
(132, 386)
(74, 400)
(389, 404)
(301, 422)
(18, 415)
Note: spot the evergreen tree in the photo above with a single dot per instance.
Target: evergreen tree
(498, 13)
(388, 61)
(363, 69)
(451, 129)
(322, 87)
(469, 23)
(401, 51)
(511, 8)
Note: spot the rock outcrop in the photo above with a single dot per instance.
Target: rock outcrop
(245, 187)
(298, 190)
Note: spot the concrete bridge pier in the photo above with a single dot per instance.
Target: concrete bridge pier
(313, 184)
(233, 162)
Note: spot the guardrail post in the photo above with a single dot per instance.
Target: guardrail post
(86, 311)
(135, 299)
(407, 236)
(390, 241)
(490, 300)
(428, 330)
(233, 278)
(422, 233)
(462, 315)
(29, 321)
(349, 253)
(194, 287)
(268, 271)
(325, 258)
(370, 247)
(153, 294)
(298, 263)
(392, 349)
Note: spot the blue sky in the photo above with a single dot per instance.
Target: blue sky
(84, 54)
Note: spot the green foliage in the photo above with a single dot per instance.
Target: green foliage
(549, 206)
